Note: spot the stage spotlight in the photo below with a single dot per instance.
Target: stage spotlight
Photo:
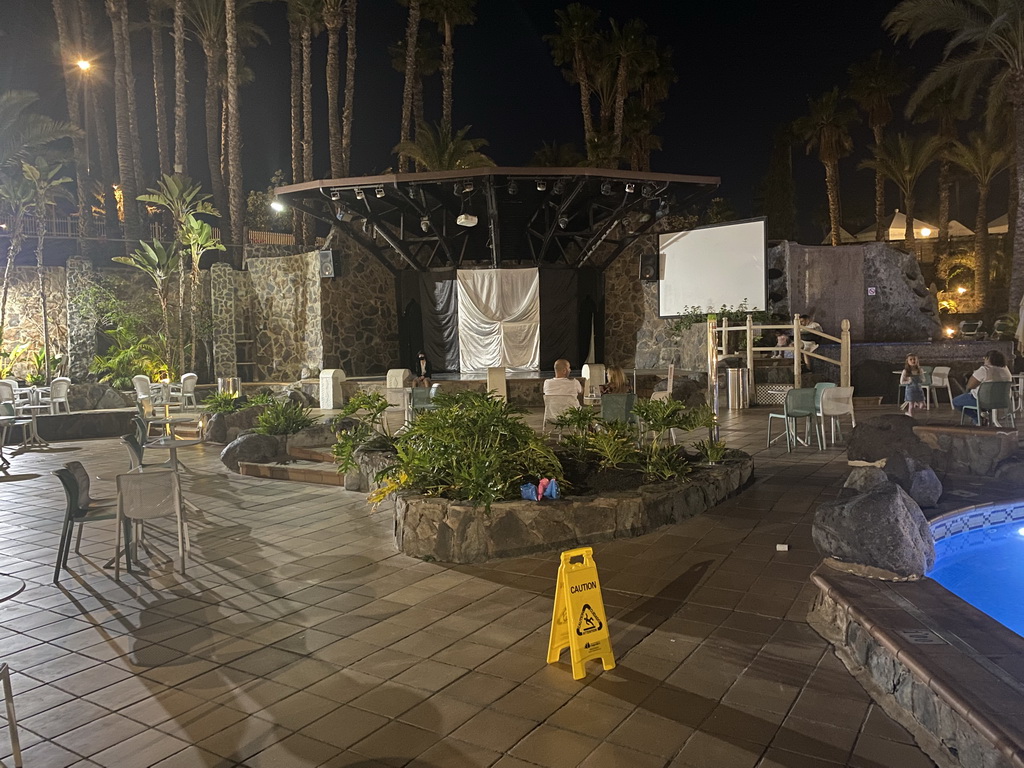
(662, 210)
(563, 222)
(467, 187)
(647, 190)
(541, 185)
(335, 195)
(559, 188)
(425, 223)
(630, 187)
(277, 206)
(380, 191)
(513, 188)
(466, 220)
(359, 194)
(606, 188)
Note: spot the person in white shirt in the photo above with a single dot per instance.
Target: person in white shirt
(993, 368)
(811, 342)
(562, 384)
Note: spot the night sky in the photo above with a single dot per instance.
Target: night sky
(744, 67)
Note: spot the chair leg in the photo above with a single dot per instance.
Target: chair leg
(12, 720)
(65, 543)
(78, 539)
(117, 546)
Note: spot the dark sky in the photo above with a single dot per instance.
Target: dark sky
(744, 67)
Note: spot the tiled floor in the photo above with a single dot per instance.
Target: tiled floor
(299, 637)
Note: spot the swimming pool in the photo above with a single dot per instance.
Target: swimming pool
(984, 565)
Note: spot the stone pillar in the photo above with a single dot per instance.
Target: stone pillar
(223, 312)
(83, 318)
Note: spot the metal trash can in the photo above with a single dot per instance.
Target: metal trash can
(230, 384)
(738, 387)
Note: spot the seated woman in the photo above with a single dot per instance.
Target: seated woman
(617, 383)
(422, 371)
(993, 368)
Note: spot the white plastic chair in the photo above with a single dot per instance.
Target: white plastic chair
(184, 393)
(59, 388)
(940, 380)
(835, 402)
(396, 391)
(9, 393)
(143, 386)
(144, 496)
(555, 406)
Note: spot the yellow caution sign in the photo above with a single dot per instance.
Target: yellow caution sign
(579, 621)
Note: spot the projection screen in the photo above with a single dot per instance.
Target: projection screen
(712, 266)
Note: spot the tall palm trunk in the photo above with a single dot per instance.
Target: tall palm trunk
(307, 120)
(412, 29)
(981, 281)
(13, 249)
(213, 125)
(580, 65)
(620, 104)
(447, 75)
(832, 188)
(73, 89)
(41, 238)
(945, 184)
(1012, 206)
(332, 21)
(236, 183)
(876, 131)
(350, 88)
(295, 50)
(180, 102)
(182, 290)
(908, 233)
(156, 39)
(133, 112)
(126, 166)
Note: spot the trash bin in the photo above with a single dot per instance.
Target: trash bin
(737, 384)
(330, 388)
(230, 384)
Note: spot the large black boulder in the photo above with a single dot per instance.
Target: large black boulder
(883, 528)
(253, 447)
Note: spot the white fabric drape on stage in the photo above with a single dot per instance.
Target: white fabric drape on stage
(499, 319)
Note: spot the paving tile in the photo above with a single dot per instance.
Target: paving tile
(344, 726)
(554, 747)
(615, 756)
(145, 748)
(872, 752)
(493, 730)
(706, 751)
(439, 714)
(395, 743)
(452, 753)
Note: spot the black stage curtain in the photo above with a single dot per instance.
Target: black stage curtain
(590, 304)
(430, 318)
(559, 319)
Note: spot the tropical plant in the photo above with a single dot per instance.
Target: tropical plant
(435, 150)
(427, 63)
(361, 422)
(448, 14)
(556, 155)
(712, 450)
(222, 402)
(470, 448)
(573, 48)
(826, 129)
(159, 264)
(985, 52)
(614, 445)
(902, 159)
(42, 367)
(124, 108)
(180, 100)
(283, 417)
(10, 359)
(128, 356)
(16, 194)
(236, 206)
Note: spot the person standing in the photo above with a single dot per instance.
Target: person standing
(422, 370)
(993, 368)
(912, 381)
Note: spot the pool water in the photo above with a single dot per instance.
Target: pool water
(985, 567)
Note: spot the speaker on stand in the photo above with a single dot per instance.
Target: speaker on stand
(649, 264)
(326, 264)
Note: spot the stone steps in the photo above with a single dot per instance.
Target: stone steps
(309, 465)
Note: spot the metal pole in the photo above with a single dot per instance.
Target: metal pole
(712, 343)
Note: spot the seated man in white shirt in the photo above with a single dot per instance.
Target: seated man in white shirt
(562, 384)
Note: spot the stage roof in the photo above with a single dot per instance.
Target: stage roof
(498, 217)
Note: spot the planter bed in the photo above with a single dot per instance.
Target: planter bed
(457, 532)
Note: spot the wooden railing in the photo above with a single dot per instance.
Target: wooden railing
(67, 228)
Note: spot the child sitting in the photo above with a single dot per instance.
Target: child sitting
(782, 339)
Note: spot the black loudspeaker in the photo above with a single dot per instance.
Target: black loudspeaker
(649, 267)
(326, 264)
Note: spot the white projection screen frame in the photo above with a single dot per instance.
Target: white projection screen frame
(708, 267)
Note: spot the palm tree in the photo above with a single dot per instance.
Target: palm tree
(573, 47)
(428, 62)
(333, 18)
(236, 186)
(16, 193)
(312, 15)
(412, 28)
(180, 102)
(197, 236)
(983, 157)
(985, 50)
(295, 90)
(902, 159)
(434, 150)
(350, 87)
(632, 51)
(116, 10)
(945, 110)
(22, 131)
(156, 41)
(873, 85)
(448, 14)
(160, 264)
(555, 155)
(47, 186)
(826, 128)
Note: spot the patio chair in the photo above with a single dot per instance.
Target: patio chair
(799, 404)
(555, 406)
(85, 499)
(145, 496)
(143, 386)
(422, 400)
(59, 389)
(939, 379)
(618, 407)
(7, 394)
(184, 393)
(78, 512)
(835, 402)
(8, 419)
(970, 329)
(12, 720)
(136, 452)
(992, 396)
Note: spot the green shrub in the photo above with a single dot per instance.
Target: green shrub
(221, 402)
(470, 448)
(712, 450)
(284, 418)
(129, 355)
(614, 445)
(361, 419)
(259, 398)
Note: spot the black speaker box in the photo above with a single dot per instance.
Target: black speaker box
(649, 267)
(326, 264)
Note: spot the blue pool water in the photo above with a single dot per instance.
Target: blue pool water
(985, 567)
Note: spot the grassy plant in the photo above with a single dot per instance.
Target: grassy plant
(615, 445)
(470, 448)
(220, 402)
(10, 359)
(284, 418)
(361, 419)
(129, 355)
(259, 398)
(663, 462)
(713, 451)
(578, 421)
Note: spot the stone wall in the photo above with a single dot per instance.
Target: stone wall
(24, 321)
(360, 317)
(82, 318)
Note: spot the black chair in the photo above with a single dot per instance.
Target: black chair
(136, 451)
(76, 512)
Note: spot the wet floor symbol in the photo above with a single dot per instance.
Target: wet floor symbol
(589, 621)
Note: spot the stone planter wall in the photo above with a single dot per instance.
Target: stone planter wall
(456, 532)
(968, 450)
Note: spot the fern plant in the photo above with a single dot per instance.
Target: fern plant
(221, 402)
(284, 418)
(614, 445)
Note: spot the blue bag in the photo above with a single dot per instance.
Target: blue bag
(528, 491)
(551, 492)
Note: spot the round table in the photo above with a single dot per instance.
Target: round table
(32, 438)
